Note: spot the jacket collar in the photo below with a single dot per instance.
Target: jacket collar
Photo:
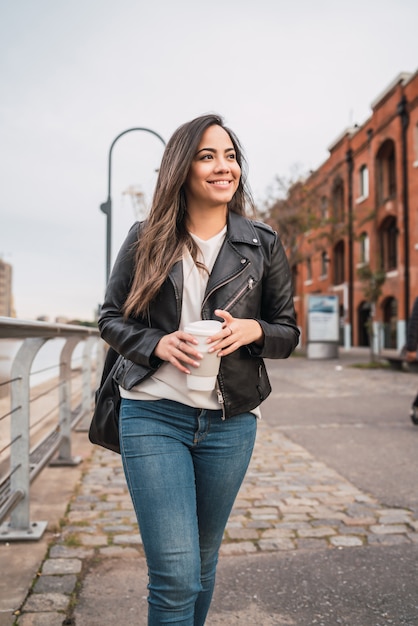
(242, 230)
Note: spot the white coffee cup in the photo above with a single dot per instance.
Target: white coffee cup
(203, 378)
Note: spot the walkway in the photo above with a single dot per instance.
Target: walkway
(289, 503)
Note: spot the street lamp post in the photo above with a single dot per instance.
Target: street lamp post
(106, 207)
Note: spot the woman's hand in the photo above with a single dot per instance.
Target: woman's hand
(176, 348)
(240, 332)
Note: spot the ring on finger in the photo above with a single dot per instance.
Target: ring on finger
(178, 345)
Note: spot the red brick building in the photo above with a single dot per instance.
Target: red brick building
(367, 206)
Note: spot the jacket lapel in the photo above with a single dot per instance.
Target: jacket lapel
(232, 259)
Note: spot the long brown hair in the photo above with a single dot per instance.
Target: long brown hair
(164, 234)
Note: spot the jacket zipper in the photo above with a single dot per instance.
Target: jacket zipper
(248, 286)
(221, 401)
(223, 284)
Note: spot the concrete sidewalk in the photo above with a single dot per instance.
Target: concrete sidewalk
(303, 545)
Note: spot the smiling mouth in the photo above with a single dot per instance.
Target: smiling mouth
(221, 183)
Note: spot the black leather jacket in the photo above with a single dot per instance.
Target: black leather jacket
(250, 279)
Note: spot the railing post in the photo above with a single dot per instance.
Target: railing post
(86, 375)
(64, 455)
(20, 526)
(100, 359)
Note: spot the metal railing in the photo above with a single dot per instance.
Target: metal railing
(40, 419)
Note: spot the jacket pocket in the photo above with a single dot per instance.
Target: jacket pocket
(263, 385)
(129, 374)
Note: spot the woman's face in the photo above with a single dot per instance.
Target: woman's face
(214, 174)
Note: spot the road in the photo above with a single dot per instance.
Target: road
(354, 420)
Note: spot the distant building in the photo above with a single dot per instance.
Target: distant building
(366, 203)
(6, 297)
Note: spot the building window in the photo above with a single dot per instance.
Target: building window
(386, 172)
(339, 263)
(364, 181)
(364, 248)
(324, 208)
(338, 201)
(309, 268)
(324, 264)
(388, 237)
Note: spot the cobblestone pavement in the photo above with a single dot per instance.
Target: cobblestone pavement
(289, 501)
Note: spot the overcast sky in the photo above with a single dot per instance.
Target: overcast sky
(287, 76)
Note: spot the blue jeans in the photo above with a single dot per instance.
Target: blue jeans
(184, 467)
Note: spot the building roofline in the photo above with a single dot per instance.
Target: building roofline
(403, 78)
(349, 131)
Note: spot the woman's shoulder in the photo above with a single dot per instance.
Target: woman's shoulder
(251, 223)
(264, 227)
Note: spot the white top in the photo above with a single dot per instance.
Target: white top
(168, 382)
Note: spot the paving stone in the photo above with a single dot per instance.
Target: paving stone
(81, 516)
(311, 544)
(345, 541)
(388, 540)
(242, 547)
(80, 506)
(335, 523)
(296, 502)
(359, 521)
(394, 518)
(104, 506)
(258, 524)
(270, 545)
(242, 533)
(278, 533)
(61, 566)
(41, 619)
(69, 553)
(90, 540)
(292, 525)
(119, 552)
(129, 539)
(325, 531)
(262, 516)
(354, 530)
(38, 602)
(55, 584)
(119, 528)
(389, 529)
(87, 499)
(73, 530)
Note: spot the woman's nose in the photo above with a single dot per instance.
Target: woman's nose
(222, 165)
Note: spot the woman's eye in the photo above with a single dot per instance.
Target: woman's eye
(206, 157)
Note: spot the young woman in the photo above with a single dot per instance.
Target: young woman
(185, 453)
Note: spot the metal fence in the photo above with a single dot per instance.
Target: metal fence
(36, 420)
